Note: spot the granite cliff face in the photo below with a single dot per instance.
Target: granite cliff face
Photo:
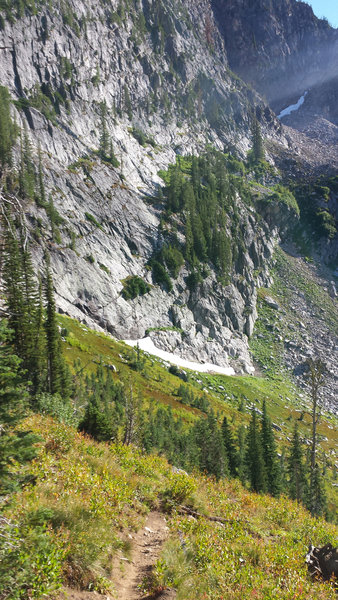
(162, 70)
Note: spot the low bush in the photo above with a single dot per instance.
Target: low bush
(134, 286)
(161, 276)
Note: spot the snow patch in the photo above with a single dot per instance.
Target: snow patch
(147, 345)
(289, 109)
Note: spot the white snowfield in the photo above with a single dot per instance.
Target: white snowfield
(289, 109)
(147, 345)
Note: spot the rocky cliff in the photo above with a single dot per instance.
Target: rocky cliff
(281, 48)
(153, 80)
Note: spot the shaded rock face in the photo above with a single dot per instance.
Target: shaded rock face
(281, 48)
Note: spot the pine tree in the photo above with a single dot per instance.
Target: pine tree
(98, 420)
(41, 199)
(27, 169)
(254, 457)
(13, 404)
(23, 303)
(316, 377)
(104, 143)
(57, 371)
(8, 129)
(230, 448)
(257, 141)
(270, 456)
(317, 503)
(297, 484)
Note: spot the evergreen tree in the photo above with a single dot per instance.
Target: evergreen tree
(317, 498)
(8, 129)
(57, 371)
(254, 457)
(297, 484)
(133, 403)
(23, 304)
(257, 141)
(127, 102)
(41, 199)
(315, 375)
(208, 439)
(12, 275)
(270, 456)
(98, 420)
(27, 169)
(104, 143)
(13, 403)
(241, 444)
(230, 448)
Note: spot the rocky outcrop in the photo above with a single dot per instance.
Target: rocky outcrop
(78, 71)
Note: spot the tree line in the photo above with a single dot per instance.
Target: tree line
(116, 412)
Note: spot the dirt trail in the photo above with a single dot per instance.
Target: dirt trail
(146, 548)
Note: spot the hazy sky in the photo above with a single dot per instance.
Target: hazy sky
(326, 8)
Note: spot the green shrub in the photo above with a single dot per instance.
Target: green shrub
(181, 487)
(161, 276)
(326, 223)
(92, 220)
(104, 268)
(31, 557)
(193, 280)
(173, 259)
(134, 286)
(90, 258)
(142, 138)
(57, 407)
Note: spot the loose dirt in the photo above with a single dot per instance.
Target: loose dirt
(130, 572)
(128, 575)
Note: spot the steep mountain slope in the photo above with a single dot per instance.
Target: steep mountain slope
(84, 76)
(111, 94)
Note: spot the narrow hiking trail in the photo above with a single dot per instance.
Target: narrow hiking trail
(128, 575)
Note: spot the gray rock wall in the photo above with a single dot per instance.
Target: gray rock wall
(146, 84)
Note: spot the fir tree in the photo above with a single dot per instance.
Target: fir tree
(14, 447)
(241, 444)
(57, 371)
(22, 301)
(297, 484)
(230, 448)
(27, 169)
(315, 375)
(257, 141)
(12, 275)
(104, 144)
(270, 456)
(41, 199)
(254, 457)
(317, 503)
(98, 420)
(8, 129)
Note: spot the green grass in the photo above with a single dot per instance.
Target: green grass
(66, 526)
(229, 396)
(88, 496)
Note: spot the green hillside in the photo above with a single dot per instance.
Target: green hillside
(87, 497)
